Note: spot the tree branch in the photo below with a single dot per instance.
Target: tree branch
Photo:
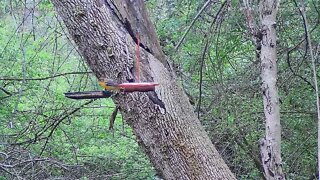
(41, 78)
(192, 23)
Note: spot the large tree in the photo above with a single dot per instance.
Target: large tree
(163, 121)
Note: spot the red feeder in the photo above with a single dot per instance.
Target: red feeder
(140, 87)
(131, 87)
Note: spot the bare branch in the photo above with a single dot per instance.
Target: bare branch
(41, 78)
(192, 23)
(314, 70)
(113, 117)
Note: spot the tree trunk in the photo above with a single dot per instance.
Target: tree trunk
(163, 121)
(271, 144)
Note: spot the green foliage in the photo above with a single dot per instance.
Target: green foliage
(82, 140)
(232, 109)
(83, 147)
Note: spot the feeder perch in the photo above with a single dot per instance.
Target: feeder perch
(140, 87)
(88, 94)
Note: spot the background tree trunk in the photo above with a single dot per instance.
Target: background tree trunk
(271, 144)
(163, 121)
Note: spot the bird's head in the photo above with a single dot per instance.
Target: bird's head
(107, 84)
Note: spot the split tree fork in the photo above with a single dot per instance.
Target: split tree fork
(171, 135)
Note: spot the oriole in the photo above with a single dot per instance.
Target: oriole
(109, 85)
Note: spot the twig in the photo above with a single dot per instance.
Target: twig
(5, 91)
(296, 74)
(314, 76)
(40, 78)
(113, 117)
(201, 76)
(205, 50)
(192, 23)
(56, 123)
(53, 126)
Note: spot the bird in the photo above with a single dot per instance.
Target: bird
(109, 84)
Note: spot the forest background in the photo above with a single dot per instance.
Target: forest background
(45, 135)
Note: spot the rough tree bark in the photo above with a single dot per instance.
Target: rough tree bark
(163, 121)
(271, 144)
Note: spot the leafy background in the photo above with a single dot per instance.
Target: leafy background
(44, 135)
